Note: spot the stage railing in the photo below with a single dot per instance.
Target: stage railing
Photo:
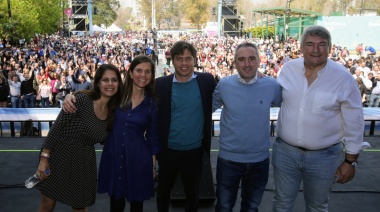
(40, 115)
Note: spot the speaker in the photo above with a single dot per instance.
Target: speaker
(228, 10)
(79, 10)
(206, 190)
(80, 24)
(231, 25)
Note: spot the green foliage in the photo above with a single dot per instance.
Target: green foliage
(337, 13)
(146, 9)
(29, 17)
(197, 12)
(261, 31)
(44, 16)
(170, 12)
(105, 12)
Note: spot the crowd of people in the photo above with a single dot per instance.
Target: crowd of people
(168, 120)
(68, 64)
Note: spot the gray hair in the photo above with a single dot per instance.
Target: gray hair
(319, 31)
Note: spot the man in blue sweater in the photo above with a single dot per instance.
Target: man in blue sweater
(244, 131)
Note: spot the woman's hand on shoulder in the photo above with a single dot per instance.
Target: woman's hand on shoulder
(68, 104)
(260, 75)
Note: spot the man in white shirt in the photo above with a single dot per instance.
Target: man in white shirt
(375, 93)
(15, 87)
(321, 114)
(363, 68)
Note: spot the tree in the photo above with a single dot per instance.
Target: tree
(328, 7)
(106, 12)
(44, 16)
(197, 11)
(29, 17)
(261, 31)
(245, 8)
(167, 12)
(145, 7)
(124, 17)
(161, 14)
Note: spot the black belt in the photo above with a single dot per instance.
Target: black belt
(304, 149)
(308, 150)
(15, 96)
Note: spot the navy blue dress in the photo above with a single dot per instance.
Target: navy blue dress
(126, 165)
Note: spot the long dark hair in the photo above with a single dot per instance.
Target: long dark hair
(95, 94)
(149, 89)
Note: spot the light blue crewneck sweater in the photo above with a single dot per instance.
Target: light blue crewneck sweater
(245, 118)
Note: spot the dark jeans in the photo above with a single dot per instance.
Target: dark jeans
(168, 61)
(155, 59)
(189, 164)
(54, 99)
(253, 177)
(45, 103)
(28, 100)
(16, 102)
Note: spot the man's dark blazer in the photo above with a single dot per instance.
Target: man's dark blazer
(206, 83)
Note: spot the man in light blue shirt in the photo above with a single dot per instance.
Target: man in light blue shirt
(244, 131)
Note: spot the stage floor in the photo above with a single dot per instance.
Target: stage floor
(19, 158)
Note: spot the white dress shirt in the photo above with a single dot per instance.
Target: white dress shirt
(325, 113)
(14, 87)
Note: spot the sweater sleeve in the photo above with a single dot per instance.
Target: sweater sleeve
(217, 101)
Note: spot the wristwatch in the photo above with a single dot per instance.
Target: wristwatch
(352, 163)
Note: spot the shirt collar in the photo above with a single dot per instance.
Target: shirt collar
(192, 77)
(253, 80)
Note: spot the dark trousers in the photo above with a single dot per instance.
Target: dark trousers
(118, 205)
(168, 61)
(53, 99)
(156, 59)
(29, 100)
(189, 165)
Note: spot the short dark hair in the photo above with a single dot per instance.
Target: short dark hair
(180, 46)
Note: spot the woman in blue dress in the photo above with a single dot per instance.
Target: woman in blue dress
(127, 166)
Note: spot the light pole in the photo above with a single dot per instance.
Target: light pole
(287, 19)
(153, 14)
(89, 11)
(219, 17)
